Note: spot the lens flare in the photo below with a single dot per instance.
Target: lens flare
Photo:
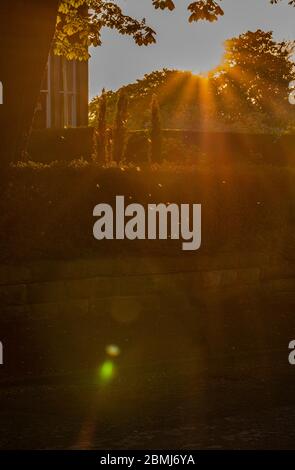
(106, 371)
(113, 350)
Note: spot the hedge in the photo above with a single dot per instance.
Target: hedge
(47, 211)
(69, 144)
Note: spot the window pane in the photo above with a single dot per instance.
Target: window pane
(70, 75)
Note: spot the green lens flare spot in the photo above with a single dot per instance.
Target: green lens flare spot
(106, 371)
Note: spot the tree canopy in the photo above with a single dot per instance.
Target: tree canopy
(80, 22)
(255, 74)
(250, 88)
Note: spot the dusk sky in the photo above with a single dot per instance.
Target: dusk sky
(197, 47)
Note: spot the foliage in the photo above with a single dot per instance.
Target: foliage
(156, 131)
(182, 146)
(247, 92)
(140, 96)
(137, 148)
(254, 77)
(119, 130)
(246, 207)
(80, 23)
(100, 131)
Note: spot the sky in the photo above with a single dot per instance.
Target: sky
(197, 47)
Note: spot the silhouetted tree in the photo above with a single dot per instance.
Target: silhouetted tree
(119, 130)
(27, 30)
(100, 131)
(156, 132)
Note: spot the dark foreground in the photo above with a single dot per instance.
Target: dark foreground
(216, 377)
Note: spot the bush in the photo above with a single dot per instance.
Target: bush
(177, 146)
(48, 145)
(46, 211)
(137, 148)
(156, 132)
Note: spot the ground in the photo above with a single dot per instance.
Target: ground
(221, 381)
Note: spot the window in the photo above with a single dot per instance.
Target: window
(44, 105)
(68, 93)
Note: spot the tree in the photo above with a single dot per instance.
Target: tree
(119, 131)
(27, 30)
(250, 89)
(156, 132)
(254, 77)
(100, 130)
(80, 22)
(140, 95)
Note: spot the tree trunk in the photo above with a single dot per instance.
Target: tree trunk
(26, 29)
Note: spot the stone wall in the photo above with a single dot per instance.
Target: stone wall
(83, 286)
(57, 318)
